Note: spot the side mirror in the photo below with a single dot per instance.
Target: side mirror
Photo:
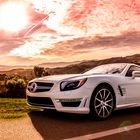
(135, 74)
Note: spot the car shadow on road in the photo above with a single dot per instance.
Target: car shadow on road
(54, 125)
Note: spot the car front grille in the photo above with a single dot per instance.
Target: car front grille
(40, 101)
(39, 86)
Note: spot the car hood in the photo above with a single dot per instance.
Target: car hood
(58, 77)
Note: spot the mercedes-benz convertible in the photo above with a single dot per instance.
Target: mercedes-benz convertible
(98, 91)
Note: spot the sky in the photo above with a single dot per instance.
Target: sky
(41, 31)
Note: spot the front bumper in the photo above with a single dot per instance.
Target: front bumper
(76, 101)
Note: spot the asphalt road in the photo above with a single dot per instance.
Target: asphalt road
(51, 125)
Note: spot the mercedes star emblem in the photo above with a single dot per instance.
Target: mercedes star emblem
(32, 87)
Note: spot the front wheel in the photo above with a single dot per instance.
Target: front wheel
(102, 103)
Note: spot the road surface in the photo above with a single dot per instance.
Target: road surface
(51, 125)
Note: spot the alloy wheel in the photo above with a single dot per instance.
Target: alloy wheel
(103, 103)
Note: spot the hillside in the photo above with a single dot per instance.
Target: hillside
(57, 64)
(49, 64)
(86, 65)
(28, 73)
(76, 68)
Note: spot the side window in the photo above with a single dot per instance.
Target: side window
(131, 69)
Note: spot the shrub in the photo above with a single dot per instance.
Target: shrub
(13, 86)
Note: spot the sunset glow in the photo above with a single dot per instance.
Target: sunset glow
(40, 31)
(13, 16)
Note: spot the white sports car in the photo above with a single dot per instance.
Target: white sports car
(98, 91)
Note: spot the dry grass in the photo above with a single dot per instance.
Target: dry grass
(14, 108)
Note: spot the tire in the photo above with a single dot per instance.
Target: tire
(102, 103)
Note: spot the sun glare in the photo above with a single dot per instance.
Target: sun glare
(13, 16)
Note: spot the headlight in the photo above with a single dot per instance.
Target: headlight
(71, 85)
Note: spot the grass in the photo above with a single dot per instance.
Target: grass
(14, 108)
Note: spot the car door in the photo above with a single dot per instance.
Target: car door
(132, 86)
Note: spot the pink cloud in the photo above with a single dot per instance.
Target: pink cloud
(80, 10)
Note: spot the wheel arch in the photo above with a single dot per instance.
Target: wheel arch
(107, 85)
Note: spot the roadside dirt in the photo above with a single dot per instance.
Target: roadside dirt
(19, 129)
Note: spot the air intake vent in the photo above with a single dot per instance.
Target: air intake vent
(40, 101)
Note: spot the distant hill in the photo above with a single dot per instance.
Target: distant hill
(78, 67)
(8, 68)
(57, 64)
(48, 65)
(28, 73)
(86, 65)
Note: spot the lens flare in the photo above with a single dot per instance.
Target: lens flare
(13, 16)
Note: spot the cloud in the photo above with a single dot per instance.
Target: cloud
(125, 39)
(90, 17)
(85, 29)
(96, 47)
(20, 61)
(78, 48)
(88, 44)
(80, 11)
(8, 44)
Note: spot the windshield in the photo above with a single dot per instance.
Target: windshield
(107, 69)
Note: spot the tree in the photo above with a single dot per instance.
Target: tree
(45, 72)
(40, 71)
